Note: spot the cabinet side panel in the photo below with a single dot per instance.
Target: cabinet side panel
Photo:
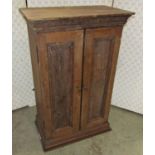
(36, 79)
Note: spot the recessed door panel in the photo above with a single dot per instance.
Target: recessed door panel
(60, 62)
(100, 52)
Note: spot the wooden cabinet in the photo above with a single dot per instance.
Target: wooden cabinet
(74, 52)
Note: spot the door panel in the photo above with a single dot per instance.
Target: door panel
(60, 69)
(101, 49)
(60, 60)
(98, 76)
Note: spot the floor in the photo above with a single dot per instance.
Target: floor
(126, 137)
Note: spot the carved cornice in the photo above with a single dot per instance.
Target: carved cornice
(78, 23)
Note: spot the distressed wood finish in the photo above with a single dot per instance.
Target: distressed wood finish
(44, 14)
(60, 55)
(74, 53)
(78, 23)
(67, 18)
(101, 50)
(60, 60)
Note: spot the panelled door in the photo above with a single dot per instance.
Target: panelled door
(100, 55)
(60, 64)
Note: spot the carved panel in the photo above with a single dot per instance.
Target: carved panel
(76, 23)
(99, 73)
(60, 61)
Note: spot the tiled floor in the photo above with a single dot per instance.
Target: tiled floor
(124, 139)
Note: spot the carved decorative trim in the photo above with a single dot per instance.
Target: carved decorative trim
(78, 23)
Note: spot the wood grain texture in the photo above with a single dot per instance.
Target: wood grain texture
(61, 63)
(99, 54)
(74, 18)
(82, 134)
(40, 117)
(60, 55)
(74, 53)
(100, 59)
(78, 23)
(52, 13)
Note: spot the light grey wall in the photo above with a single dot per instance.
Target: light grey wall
(128, 88)
(22, 83)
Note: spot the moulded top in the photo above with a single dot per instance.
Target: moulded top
(52, 13)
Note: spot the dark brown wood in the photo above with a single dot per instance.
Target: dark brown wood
(36, 77)
(78, 23)
(82, 134)
(61, 66)
(60, 57)
(101, 50)
(74, 53)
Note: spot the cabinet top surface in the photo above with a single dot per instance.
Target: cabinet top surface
(52, 13)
